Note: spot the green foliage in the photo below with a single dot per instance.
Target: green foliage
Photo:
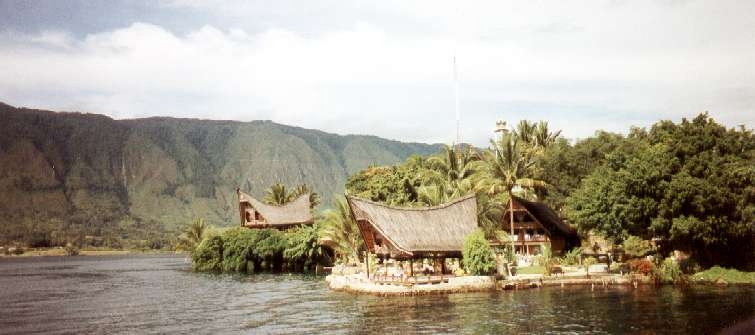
(192, 236)
(547, 261)
(245, 250)
(238, 250)
(669, 271)
(692, 184)
(341, 230)
(278, 194)
(572, 256)
(304, 248)
(478, 256)
(636, 247)
(718, 274)
(125, 181)
(208, 256)
(394, 185)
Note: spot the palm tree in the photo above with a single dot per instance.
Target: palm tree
(454, 164)
(277, 194)
(511, 160)
(340, 228)
(448, 176)
(543, 136)
(193, 235)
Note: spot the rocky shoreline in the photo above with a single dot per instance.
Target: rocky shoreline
(359, 284)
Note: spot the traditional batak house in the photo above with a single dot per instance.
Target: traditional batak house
(403, 233)
(256, 214)
(536, 225)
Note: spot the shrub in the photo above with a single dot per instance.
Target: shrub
(478, 256)
(304, 249)
(641, 266)
(547, 261)
(208, 256)
(717, 273)
(636, 247)
(238, 246)
(572, 256)
(669, 272)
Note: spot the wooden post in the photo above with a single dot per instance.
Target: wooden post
(411, 267)
(385, 265)
(367, 262)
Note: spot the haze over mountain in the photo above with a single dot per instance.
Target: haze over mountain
(101, 176)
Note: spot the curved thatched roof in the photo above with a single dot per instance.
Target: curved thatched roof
(419, 230)
(294, 212)
(547, 217)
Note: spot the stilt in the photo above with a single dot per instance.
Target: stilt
(367, 261)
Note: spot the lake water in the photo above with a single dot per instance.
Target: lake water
(160, 294)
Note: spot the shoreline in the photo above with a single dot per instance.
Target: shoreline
(358, 284)
(60, 252)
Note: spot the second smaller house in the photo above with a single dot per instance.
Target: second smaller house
(256, 214)
(536, 226)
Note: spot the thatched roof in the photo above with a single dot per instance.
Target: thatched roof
(292, 213)
(547, 217)
(414, 231)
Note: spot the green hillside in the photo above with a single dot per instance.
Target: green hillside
(71, 175)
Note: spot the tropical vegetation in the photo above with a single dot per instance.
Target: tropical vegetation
(245, 250)
(478, 256)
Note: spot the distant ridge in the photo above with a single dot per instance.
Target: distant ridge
(59, 169)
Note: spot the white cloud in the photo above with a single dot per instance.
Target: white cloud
(609, 65)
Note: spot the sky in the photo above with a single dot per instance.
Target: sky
(385, 67)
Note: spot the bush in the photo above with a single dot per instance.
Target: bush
(238, 252)
(304, 250)
(208, 257)
(669, 272)
(245, 250)
(572, 256)
(637, 247)
(641, 266)
(717, 273)
(478, 256)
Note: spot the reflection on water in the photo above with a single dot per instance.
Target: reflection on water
(159, 294)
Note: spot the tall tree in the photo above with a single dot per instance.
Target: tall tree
(689, 184)
(511, 160)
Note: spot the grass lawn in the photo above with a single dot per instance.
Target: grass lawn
(729, 275)
(531, 270)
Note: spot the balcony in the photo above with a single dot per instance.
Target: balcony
(530, 238)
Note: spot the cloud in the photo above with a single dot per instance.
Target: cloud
(607, 65)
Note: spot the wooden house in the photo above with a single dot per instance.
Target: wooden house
(403, 233)
(536, 225)
(256, 214)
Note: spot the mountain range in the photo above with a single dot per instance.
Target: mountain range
(65, 170)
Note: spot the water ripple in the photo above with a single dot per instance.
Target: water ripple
(159, 294)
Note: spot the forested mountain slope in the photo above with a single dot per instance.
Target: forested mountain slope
(87, 174)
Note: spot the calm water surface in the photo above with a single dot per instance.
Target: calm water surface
(159, 294)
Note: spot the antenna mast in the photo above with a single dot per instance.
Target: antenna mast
(456, 96)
